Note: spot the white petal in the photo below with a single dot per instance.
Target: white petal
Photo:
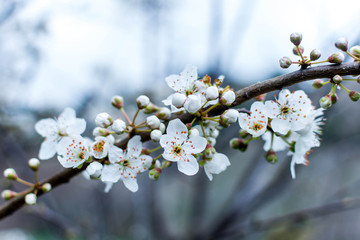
(188, 165)
(115, 154)
(208, 173)
(47, 127)
(76, 127)
(134, 147)
(176, 82)
(189, 75)
(280, 125)
(168, 155)
(108, 186)
(194, 145)
(131, 184)
(177, 129)
(272, 109)
(67, 115)
(111, 173)
(47, 149)
(143, 163)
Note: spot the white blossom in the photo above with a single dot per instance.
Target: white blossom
(101, 147)
(73, 151)
(153, 122)
(54, 130)
(256, 122)
(179, 148)
(126, 166)
(103, 120)
(94, 169)
(216, 165)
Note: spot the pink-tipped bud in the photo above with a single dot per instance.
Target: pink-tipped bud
(285, 62)
(243, 133)
(151, 108)
(334, 98)
(209, 151)
(296, 51)
(10, 173)
(342, 44)
(228, 117)
(34, 164)
(325, 102)
(227, 98)
(8, 194)
(296, 38)
(154, 174)
(261, 97)
(145, 151)
(317, 84)
(239, 144)
(98, 131)
(354, 96)
(336, 58)
(117, 101)
(337, 79)
(164, 113)
(355, 50)
(271, 156)
(315, 55)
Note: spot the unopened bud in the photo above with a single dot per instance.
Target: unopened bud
(194, 133)
(334, 98)
(98, 131)
(209, 151)
(296, 38)
(227, 98)
(154, 174)
(336, 58)
(145, 151)
(317, 84)
(261, 97)
(151, 108)
(103, 120)
(162, 128)
(164, 113)
(118, 126)
(354, 96)
(337, 79)
(325, 102)
(271, 156)
(10, 173)
(355, 50)
(30, 199)
(117, 101)
(229, 116)
(285, 62)
(153, 122)
(34, 164)
(342, 44)
(193, 103)
(188, 126)
(239, 144)
(178, 100)
(296, 50)
(155, 135)
(212, 93)
(243, 133)
(94, 170)
(46, 187)
(8, 194)
(142, 101)
(315, 55)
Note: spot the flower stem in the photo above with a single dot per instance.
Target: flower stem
(36, 177)
(142, 130)
(300, 54)
(202, 128)
(133, 121)
(351, 55)
(25, 182)
(325, 61)
(126, 116)
(157, 157)
(343, 87)
(210, 108)
(155, 149)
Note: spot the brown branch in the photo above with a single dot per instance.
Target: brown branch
(242, 95)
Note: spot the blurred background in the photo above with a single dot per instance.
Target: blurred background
(60, 53)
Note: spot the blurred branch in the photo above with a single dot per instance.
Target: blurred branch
(298, 217)
(327, 71)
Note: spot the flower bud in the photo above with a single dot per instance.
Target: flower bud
(336, 58)
(178, 100)
(260, 97)
(162, 128)
(315, 55)
(164, 113)
(142, 101)
(355, 50)
(145, 151)
(30, 199)
(325, 102)
(98, 131)
(342, 44)
(94, 170)
(118, 126)
(334, 98)
(209, 151)
(193, 103)
(188, 126)
(155, 135)
(194, 133)
(153, 122)
(271, 156)
(8, 194)
(239, 144)
(34, 164)
(296, 38)
(103, 120)
(296, 51)
(154, 174)
(243, 133)
(214, 133)
(317, 84)
(229, 116)
(10, 173)
(157, 164)
(354, 96)
(46, 187)
(227, 98)
(212, 93)
(211, 141)
(285, 62)
(150, 108)
(117, 101)
(358, 79)
(337, 79)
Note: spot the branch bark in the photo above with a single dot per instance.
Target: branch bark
(327, 71)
